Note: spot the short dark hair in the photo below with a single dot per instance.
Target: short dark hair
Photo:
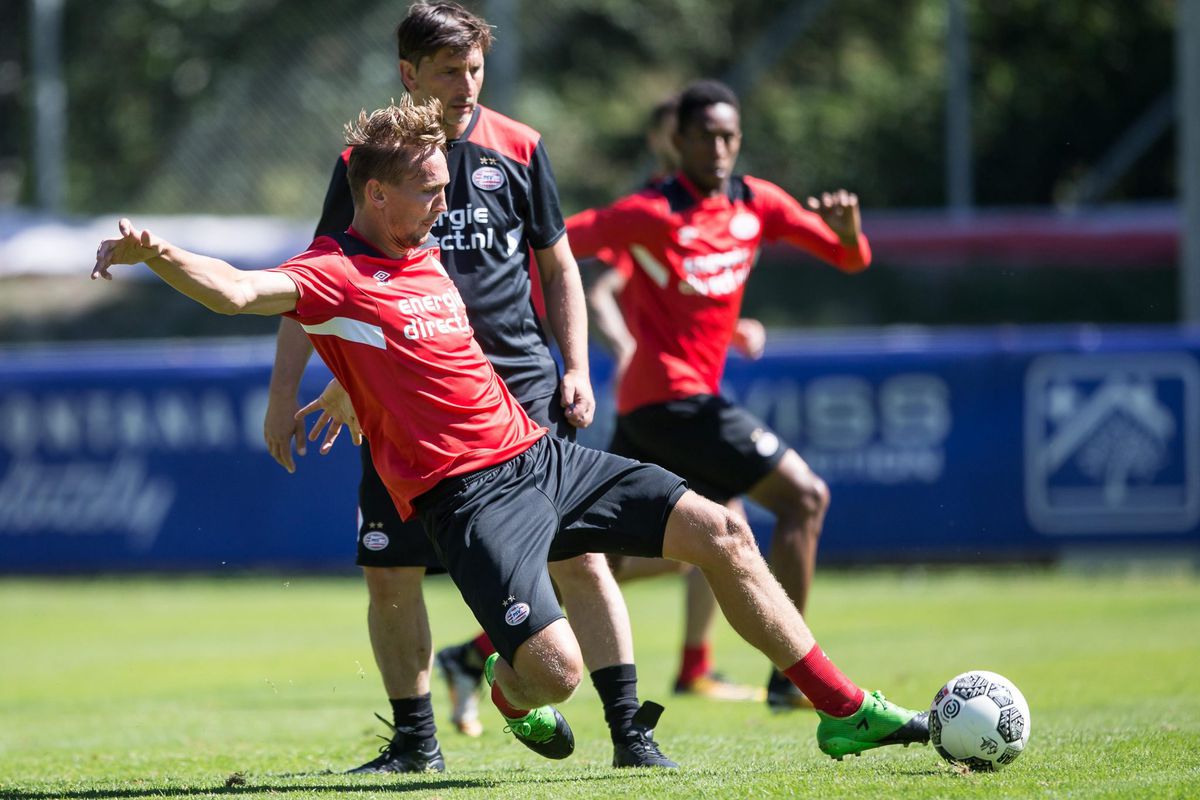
(428, 27)
(390, 142)
(699, 95)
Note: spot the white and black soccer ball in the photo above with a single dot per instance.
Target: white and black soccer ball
(979, 720)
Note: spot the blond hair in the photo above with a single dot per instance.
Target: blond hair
(389, 143)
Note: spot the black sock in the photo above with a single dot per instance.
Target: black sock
(413, 717)
(617, 687)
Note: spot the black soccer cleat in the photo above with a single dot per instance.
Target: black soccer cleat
(401, 754)
(638, 749)
(783, 695)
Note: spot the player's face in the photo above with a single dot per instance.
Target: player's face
(708, 146)
(412, 206)
(455, 77)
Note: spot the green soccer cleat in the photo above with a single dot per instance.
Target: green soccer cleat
(543, 730)
(876, 723)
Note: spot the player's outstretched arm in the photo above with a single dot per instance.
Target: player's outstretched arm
(336, 412)
(209, 281)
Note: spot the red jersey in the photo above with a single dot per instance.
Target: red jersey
(396, 335)
(691, 256)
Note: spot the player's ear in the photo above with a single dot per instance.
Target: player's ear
(375, 193)
(408, 75)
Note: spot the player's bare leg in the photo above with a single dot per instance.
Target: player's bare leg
(600, 620)
(546, 669)
(799, 499)
(696, 674)
(597, 612)
(705, 534)
(594, 602)
(399, 628)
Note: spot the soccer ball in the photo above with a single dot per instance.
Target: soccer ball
(979, 720)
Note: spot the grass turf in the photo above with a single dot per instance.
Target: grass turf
(264, 687)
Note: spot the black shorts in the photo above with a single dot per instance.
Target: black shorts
(496, 528)
(385, 541)
(721, 449)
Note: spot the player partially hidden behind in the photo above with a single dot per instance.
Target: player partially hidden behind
(694, 239)
(609, 274)
(497, 496)
(502, 201)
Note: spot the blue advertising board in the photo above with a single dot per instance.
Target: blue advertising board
(996, 444)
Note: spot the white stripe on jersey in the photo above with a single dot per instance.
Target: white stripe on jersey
(352, 330)
(657, 272)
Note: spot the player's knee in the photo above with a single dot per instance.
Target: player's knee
(589, 571)
(737, 541)
(550, 663)
(811, 497)
(556, 677)
(729, 536)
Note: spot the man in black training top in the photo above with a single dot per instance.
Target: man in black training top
(502, 201)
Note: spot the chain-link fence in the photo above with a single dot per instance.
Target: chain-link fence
(235, 106)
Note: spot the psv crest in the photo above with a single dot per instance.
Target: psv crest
(744, 225)
(488, 178)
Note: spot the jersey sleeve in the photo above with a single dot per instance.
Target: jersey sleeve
(785, 220)
(543, 217)
(607, 233)
(322, 282)
(338, 210)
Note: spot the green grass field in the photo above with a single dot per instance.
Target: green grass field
(265, 687)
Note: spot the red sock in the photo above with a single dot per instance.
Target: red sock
(509, 711)
(824, 684)
(483, 645)
(697, 661)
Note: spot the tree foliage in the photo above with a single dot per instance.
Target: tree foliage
(235, 105)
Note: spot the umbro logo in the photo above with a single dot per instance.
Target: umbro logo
(382, 277)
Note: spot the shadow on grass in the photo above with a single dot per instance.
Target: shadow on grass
(414, 784)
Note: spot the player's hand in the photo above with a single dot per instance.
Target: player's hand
(749, 338)
(839, 210)
(280, 427)
(132, 247)
(578, 401)
(336, 413)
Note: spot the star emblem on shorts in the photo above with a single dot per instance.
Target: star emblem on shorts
(487, 161)
(375, 526)
(509, 601)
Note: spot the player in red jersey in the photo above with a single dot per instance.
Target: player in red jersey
(496, 495)
(502, 202)
(609, 273)
(694, 239)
